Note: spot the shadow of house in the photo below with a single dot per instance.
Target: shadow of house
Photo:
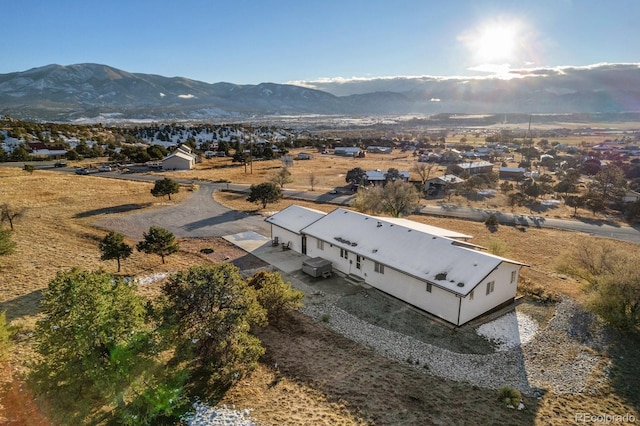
(229, 216)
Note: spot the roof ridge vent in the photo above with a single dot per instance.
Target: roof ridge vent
(379, 224)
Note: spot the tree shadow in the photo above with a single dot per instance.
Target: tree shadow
(350, 374)
(599, 222)
(625, 368)
(479, 196)
(229, 216)
(123, 208)
(22, 306)
(542, 208)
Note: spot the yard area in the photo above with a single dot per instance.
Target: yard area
(311, 374)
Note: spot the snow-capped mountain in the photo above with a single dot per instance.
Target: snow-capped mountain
(64, 93)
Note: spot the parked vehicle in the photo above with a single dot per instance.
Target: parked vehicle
(82, 171)
(104, 169)
(60, 164)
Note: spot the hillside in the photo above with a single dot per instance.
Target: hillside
(101, 93)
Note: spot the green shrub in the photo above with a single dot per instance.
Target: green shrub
(509, 396)
(275, 295)
(492, 221)
(325, 318)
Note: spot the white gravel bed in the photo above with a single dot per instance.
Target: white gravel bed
(510, 330)
(152, 278)
(488, 371)
(528, 358)
(223, 415)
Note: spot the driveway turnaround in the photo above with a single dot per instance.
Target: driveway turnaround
(199, 216)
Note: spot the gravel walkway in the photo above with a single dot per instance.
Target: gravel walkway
(552, 358)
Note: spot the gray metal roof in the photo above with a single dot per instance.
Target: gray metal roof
(417, 253)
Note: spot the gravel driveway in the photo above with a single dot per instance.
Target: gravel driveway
(198, 216)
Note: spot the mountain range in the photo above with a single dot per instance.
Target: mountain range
(93, 91)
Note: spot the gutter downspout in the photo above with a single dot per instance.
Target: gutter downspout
(459, 308)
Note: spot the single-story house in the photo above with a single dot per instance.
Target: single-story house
(474, 168)
(377, 177)
(304, 156)
(39, 149)
(515, 173)
(289, 223)
(431, 268)
(181, 159)
(440, 183)
(380, 149)
(347, 151)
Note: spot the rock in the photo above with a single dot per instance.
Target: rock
(521, 406)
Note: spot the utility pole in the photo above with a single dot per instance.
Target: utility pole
(251, 153)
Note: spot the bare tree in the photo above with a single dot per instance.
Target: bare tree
(396, 198)
(423, 170)
(313, 180)
(9, 214)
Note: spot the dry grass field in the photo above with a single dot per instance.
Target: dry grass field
(322, 378)
(329, 172)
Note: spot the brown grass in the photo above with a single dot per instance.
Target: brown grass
(322, 378)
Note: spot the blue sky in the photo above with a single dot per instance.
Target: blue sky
(254, 41)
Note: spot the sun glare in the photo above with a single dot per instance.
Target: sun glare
(495, 43)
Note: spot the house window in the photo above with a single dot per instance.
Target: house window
(344, 254)
(513, 276)
(490, 286)
(379, 268)
(471, 295)
(429, 287)
(320, 244)
(358, 260)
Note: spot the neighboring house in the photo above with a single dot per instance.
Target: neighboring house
(631, 196)
(304, 156)
(347, 151)
(181, 159)
(438, 184)
(428, 267)
(39, 149)
(380, 149)
(474, 168)
(430, 157)
(378, 177)
(451, 156)
(483, 152)
(511, 173)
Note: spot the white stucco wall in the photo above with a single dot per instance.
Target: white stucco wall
(285, 236)
(503, 290)
(438, 302)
